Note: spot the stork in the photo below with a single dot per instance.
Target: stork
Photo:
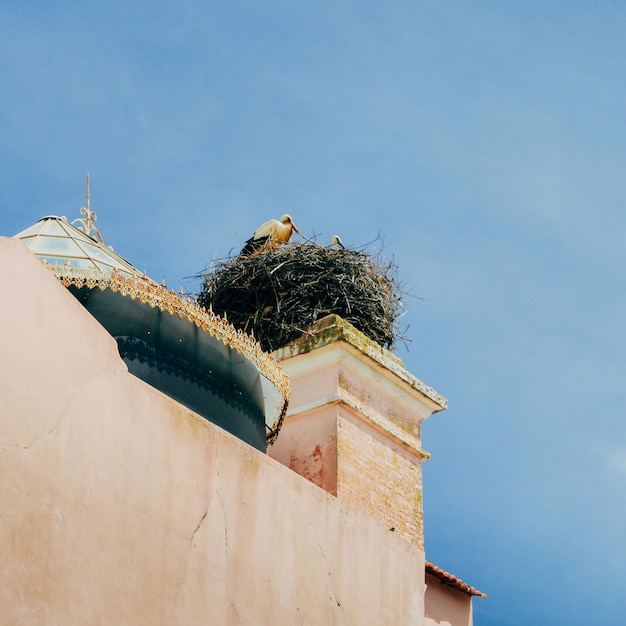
(271, 234)
(336, 243)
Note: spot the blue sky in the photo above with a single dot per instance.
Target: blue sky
(484, 142)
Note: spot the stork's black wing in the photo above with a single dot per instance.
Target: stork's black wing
(253, 244)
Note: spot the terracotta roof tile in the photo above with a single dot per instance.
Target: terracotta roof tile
(448, 579)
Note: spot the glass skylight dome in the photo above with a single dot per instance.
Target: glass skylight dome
(58, 242)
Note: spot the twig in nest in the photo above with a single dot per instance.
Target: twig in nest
(277, 295)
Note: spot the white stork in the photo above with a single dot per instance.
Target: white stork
(271, 234)
(336, 243)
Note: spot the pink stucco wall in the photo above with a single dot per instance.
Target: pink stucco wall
(446, 606)
(308, 445)
(120, 506)
(354, 424)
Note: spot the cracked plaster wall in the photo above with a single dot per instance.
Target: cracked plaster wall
(120, 506)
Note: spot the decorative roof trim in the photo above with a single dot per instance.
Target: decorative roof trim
(155, 295)
(448, 579)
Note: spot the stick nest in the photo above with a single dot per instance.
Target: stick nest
(276, 295)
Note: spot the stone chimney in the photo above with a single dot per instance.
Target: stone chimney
(354, 424)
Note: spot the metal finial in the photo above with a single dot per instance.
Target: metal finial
(90, 217)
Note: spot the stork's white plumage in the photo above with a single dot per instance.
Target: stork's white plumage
(271, 234)
(336, 243)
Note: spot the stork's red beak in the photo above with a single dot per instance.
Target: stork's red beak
(295, 228)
